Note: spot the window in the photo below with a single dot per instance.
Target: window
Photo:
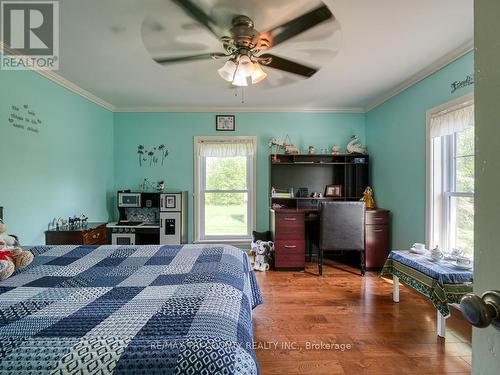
(451, 178)
(225, 188)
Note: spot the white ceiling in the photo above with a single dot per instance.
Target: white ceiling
(370, 49)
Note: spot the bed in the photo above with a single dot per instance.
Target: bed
(130, 309)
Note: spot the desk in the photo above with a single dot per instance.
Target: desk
(291, 228)
(440, 282)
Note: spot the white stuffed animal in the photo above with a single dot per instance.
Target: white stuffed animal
(263, 252)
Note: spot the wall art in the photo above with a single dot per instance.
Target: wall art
(24, 118)
(152, 156)
(457, 85)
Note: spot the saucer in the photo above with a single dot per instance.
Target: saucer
(461, 266)
(417, 251)
(430, 259)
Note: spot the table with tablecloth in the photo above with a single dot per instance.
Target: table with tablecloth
(441, 282)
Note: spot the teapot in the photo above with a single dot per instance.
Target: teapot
(436, 253)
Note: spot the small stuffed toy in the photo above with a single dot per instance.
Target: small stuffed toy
(12, 257)
(4, 237)
(263, 252)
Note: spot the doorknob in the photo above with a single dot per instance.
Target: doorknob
(482, 311)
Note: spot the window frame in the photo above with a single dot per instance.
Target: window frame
(199, 184)
(447, 161)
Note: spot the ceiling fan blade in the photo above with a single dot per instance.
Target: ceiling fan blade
(203, 56)
(198, 14)
(288, 65)
(298, 25)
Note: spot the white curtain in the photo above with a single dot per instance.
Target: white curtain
(226, 149)
(452, 121)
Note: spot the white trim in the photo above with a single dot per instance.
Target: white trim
(242, 109)
(61, 81)
(56, 78)
(197, 140)
(424, 73)
(428, 157)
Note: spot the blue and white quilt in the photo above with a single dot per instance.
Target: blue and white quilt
(130, 310)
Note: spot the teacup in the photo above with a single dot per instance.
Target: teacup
(457, 253)
(463, 261)
(419, 246)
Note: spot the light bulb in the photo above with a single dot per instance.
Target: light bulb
(228, 70)
(239, 79)
(258, 74)
(245, 66)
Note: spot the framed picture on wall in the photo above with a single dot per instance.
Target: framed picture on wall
(225, 123)
(333, 191)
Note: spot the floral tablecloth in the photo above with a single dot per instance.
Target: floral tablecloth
(441, 282)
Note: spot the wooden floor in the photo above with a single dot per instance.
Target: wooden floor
(344, 308)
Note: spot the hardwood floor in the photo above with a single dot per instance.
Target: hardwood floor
(343, 308)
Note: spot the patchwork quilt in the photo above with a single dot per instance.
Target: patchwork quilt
(129, 310)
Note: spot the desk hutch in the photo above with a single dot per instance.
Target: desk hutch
(293, 216)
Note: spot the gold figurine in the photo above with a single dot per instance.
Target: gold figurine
(368, 199)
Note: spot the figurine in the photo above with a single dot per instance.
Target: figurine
(354, 147)
(160, 186)
(335, 150)
(368, 199)
(311, 150)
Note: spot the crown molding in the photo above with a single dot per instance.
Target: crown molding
(61, 81)
(424, 73)
(241, 109)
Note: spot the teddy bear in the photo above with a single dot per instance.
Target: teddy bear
(11, 257)
(263, 252)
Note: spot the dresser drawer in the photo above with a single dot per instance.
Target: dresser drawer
(291, 247)
(376, 217)
(95, 237)
(289, 226)
(289, 261)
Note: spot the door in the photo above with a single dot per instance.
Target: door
(170, 228)
(486, 341)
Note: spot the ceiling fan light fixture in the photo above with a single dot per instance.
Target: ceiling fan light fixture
(245, 66)
(227, 72)
(240, 79)
(258, 73)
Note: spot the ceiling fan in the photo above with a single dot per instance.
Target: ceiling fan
(244, 45)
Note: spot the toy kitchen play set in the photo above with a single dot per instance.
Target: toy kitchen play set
(150, 218)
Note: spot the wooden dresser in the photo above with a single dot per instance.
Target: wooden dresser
(290, 237)
(91, 234)
(377, 238)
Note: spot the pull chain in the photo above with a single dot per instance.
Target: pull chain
(242, 93)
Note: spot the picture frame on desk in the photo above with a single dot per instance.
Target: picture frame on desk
(334, 191)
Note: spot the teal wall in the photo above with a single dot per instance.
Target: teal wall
(64, 169)
(395, 133)
(176, 131)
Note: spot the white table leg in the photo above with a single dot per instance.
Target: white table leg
(395, 288)
(441, 325)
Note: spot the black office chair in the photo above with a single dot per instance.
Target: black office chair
(342, 227)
